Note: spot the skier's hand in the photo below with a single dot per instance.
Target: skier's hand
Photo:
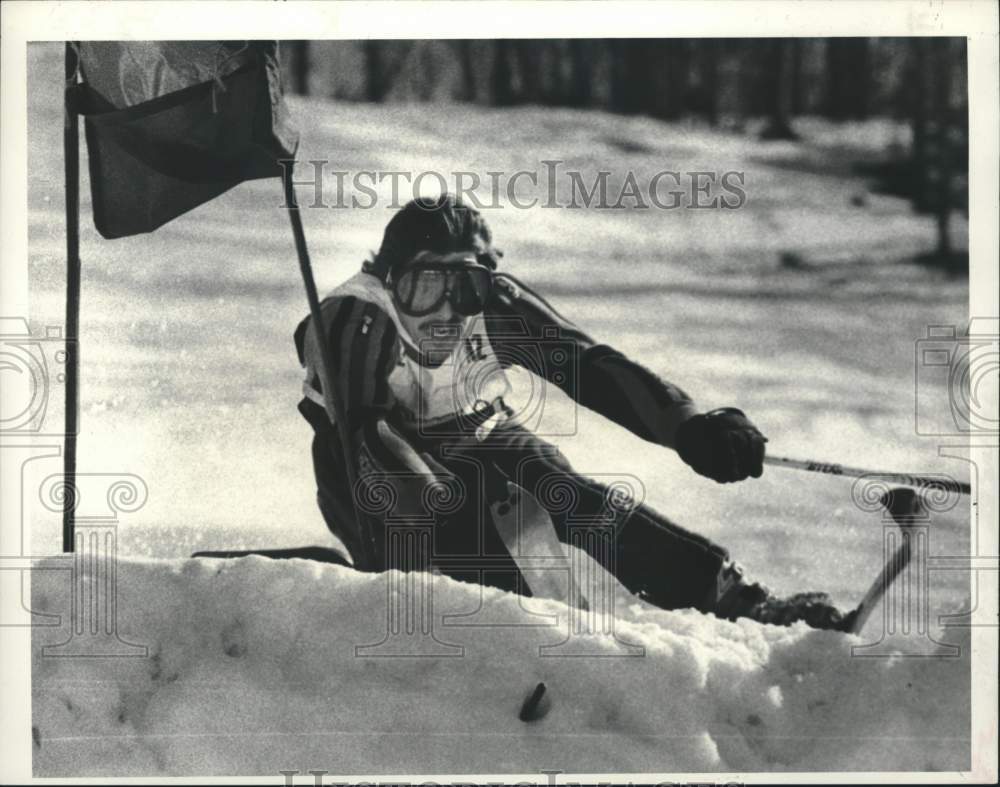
(723, 445)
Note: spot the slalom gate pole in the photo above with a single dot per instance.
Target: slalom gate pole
(904, 479)
(71, 158)
(333, 405)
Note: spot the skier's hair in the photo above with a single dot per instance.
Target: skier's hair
(442, 225)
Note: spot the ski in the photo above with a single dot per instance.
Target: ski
(905, 506)
(529, 535)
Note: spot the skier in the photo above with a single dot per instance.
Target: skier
(420, 339)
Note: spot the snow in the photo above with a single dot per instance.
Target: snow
(253, 669)
(190, 381)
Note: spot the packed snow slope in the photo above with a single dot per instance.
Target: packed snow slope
(252, 669)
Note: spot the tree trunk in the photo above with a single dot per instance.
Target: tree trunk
(552, 55)
(797, 100)
(529, 66)
(746, 82)
(779, 91)
(383, 62)
(300, 67)
(427, 72)
(375, 87)
(835, 105)
(665, 68)
(942, 111)
(467, 89)
(848, 78)
(861, 78)
(629, 75)
(711, 52)
(580, 91)
(501, 89)
(919, 69)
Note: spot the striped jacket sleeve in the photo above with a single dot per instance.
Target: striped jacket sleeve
(363, 346)
(362, 341)
(523, 325)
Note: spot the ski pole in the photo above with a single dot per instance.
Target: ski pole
(923, 481)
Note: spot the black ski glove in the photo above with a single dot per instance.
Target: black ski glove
(722, 445)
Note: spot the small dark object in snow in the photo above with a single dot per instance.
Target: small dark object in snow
(859, 200)
(536, 706)
(629, 145)
(789, 259)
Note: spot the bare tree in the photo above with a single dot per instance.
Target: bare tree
(375, 87)
(779, 80)
(501, 75)
(300, 66)
(706, 100)
(667, 64)
(942, 108)
(581, 88)
(628, 75)
(919, 68)
(797, 102)
(528, 57)
(383, 60)
(848, 77)
(428, 72)
(467, 89)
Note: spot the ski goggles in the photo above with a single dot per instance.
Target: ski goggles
(430, 279)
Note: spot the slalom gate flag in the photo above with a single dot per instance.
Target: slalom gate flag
(173, 124)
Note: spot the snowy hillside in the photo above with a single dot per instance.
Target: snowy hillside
(252, 669)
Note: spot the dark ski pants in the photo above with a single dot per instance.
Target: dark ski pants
(650, 555)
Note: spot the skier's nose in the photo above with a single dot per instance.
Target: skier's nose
(447, 312)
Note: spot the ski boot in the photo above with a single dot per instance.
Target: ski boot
(736, 598)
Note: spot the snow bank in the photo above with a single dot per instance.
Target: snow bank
(252, 669)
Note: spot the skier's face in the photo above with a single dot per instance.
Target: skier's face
(436, 295)
(444, 326)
